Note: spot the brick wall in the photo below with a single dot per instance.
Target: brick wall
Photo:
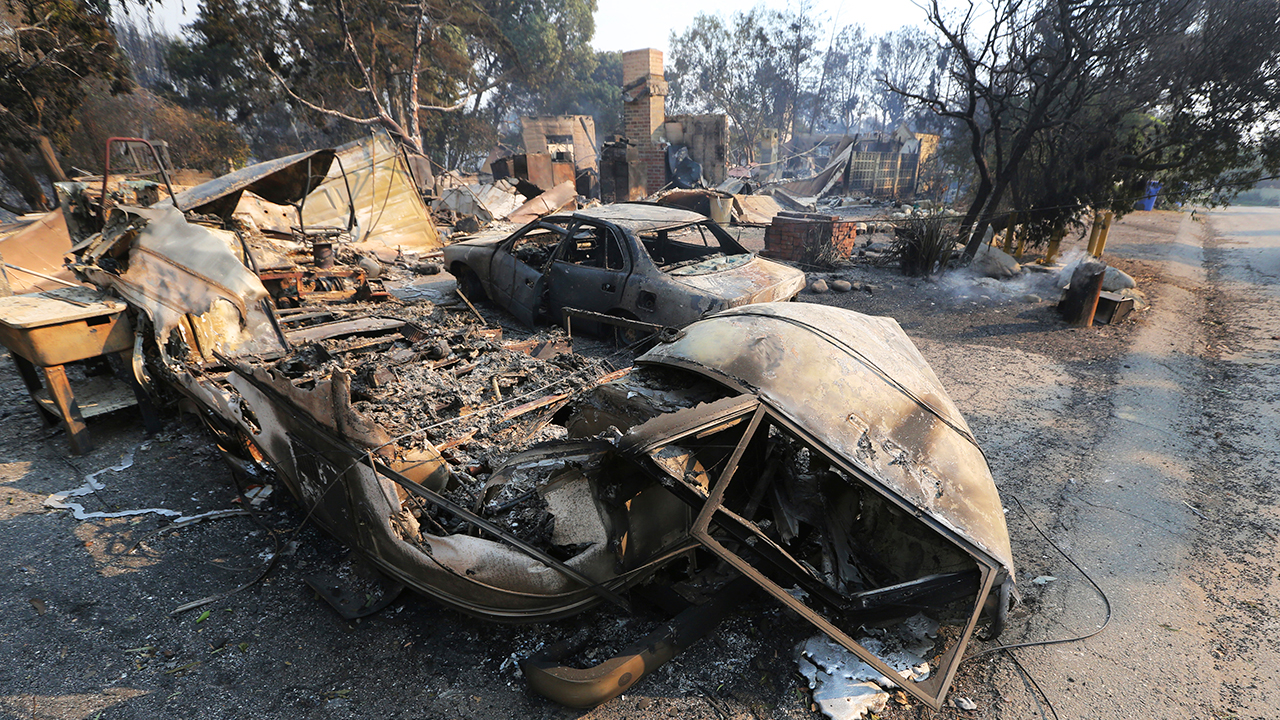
(809, 238)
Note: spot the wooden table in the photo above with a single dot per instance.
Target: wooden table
(49, 329)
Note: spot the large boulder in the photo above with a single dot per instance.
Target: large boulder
(993, 262)
(1115, 280)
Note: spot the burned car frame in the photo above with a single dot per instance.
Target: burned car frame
(802, 449)
(660, 265)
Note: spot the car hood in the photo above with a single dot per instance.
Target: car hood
(876, 404)
(756, 280)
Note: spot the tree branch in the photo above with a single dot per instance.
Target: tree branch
(320, 109)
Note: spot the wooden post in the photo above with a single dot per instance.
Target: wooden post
(1106, 229)
(1052, 253)
(1081, 300)
(1094, 232)
(1009, 232)
(897, 173)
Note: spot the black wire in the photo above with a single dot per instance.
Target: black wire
(1135, 198)
(1106, 601)
(1030, 678)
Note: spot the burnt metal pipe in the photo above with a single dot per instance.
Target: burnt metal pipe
(587, 688)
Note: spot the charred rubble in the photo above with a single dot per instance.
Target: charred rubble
(801, 450)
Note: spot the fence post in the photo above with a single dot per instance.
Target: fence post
(1052, 253)
(1009, 232)
(1094, 232)
(1108, 216)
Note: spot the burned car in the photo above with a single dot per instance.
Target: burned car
(659, 265)
(803, 450)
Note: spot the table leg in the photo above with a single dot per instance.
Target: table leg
(150, 419)
(28, 372)
(31, 379)
(60, 390)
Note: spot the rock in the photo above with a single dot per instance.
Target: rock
(1030, 298)
(841, 285)
(1115, 280)
(818, 287)
(869, 289)
(1140, 301)
(645, 703)
(994, 262)
(427, 268)
(372, 268)
(965, 703)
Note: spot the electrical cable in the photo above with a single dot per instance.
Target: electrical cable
(1038, 643)
(1031, 679)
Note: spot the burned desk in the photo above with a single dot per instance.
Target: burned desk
(50, 329)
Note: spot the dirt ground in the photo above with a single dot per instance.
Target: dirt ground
(1137, 448)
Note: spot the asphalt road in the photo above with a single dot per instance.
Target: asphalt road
(1165, 494)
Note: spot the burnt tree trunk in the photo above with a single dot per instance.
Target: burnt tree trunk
(53, 168)
(16, 170)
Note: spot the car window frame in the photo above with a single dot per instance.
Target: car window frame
(618, 236)
(546, 223)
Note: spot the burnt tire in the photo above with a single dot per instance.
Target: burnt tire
(628, 337)
(469, 283)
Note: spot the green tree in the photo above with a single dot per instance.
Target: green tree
(195, 138)
(592, 85)
(739, 66)
(411, 69)
(215, 66)
(1067, 103)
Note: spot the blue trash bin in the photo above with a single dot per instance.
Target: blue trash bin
(1148, 202)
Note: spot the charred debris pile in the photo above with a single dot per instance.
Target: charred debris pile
(805, 450)
(438, 381)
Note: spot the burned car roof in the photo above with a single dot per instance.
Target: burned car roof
(641, 217)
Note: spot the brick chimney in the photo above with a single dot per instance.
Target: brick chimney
(644, 92)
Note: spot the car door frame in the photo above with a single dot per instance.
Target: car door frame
(517, 286)
(563, 275)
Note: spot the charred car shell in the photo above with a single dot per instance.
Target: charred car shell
(660, 265)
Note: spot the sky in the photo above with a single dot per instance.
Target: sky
(637, 24)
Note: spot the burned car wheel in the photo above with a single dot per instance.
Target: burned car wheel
(469, 283)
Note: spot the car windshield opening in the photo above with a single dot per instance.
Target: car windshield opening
(674, 247)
